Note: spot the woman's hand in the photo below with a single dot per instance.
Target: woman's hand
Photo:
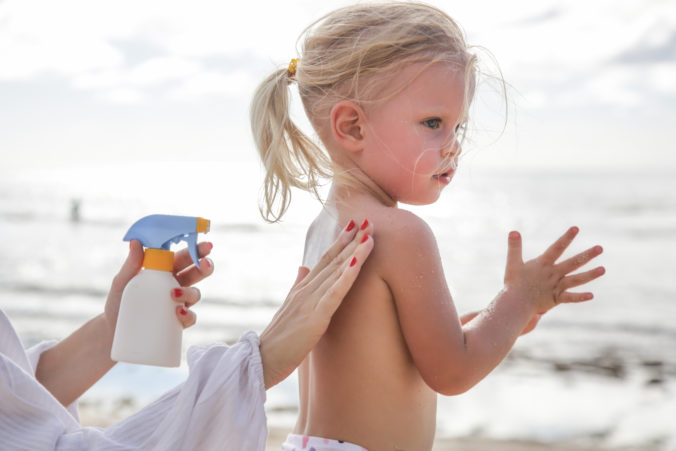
(542, 281)
(74, 364)
(185, 272)
(315, 296)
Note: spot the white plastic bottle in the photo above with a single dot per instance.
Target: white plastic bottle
(148, 331)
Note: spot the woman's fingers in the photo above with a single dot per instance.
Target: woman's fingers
(335, 290)
(193, 274)
(579, 260)
(584, 277)
(558, 248)
(345, 237)
(338, 253)
(182, 259)
(185, 316)
(303, 271)
(187, 296)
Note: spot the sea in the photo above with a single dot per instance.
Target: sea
(601, 373)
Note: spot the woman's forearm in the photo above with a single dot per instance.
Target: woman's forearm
(73, 365)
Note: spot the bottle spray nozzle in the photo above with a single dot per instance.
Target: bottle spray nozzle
(159, 231)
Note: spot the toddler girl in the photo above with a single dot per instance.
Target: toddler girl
(387, 89)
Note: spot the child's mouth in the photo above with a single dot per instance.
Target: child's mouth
(444, 178)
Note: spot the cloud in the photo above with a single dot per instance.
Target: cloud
(209, 84)
(114, 49)
(543, 16)
(646, 51)
(131, 51)
(124, 96)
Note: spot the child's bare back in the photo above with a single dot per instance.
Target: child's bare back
(360, 383)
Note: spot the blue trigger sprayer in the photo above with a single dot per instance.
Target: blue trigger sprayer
(147, 329)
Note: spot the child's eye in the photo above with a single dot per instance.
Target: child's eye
(432, 123)
(459, 127)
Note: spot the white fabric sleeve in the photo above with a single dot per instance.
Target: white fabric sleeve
(219, 407)
(33, 353)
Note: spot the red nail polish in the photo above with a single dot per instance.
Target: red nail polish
(350, 226)
(178, 292)
(182, 310)
(366, 237)
(365, 224)
(354, 261)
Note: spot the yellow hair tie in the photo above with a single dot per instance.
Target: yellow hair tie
(292, 67)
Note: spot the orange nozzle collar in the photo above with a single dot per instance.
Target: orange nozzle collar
(158, 259)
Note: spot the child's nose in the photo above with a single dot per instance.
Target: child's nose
(452, 150)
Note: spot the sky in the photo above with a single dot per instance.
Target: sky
(591, 85)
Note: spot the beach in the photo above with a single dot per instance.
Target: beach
(599, 375)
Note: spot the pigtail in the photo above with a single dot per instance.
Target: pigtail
(291, 158)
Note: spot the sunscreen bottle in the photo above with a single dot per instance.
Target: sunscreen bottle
(147, 329)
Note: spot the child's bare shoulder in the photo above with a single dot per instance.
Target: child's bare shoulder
(402, 238)
(403, 228)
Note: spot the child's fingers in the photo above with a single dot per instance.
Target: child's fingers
(558, 248)
(579, 260)
(182, 259)
(336, 290)
(185, 316)
(514, 251)
(584, 277)
(567, 297)
(187, 296)
(193, 274)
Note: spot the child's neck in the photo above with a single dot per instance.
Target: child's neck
(355, 184)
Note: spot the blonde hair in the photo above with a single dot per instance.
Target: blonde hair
(349, 54)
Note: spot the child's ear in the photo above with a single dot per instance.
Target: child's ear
(347, 125)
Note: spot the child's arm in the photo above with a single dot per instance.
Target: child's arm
(451, 357)
(467, 317)
(74, 364)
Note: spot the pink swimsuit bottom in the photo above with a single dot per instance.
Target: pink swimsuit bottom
(296, 442)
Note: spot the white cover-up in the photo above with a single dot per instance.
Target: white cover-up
(219, 407)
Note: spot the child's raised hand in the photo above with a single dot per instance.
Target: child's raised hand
(542, 281)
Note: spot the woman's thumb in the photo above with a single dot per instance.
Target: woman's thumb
(303, 271)
(131, 266)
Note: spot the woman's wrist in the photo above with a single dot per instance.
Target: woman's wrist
(272, 359)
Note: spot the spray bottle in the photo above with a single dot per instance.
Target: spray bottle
(147, 329)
